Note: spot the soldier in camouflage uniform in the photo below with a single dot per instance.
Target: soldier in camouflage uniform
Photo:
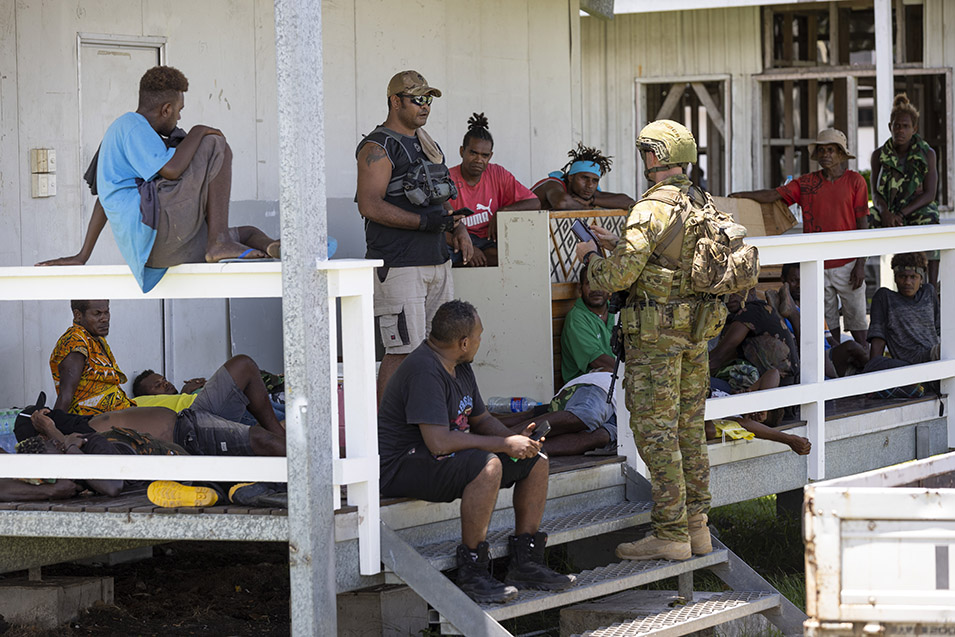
(667, 373)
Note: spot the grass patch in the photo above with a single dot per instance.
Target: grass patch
(771, 544)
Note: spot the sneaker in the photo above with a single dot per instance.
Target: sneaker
(700, 541)
(474, 577)
(258, 494)
(527, 569)
(169, 494)
(653, 548)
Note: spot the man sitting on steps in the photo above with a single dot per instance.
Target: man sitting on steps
(437, 442)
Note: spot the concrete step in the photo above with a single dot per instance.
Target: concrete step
(601, 581)
(559, 528)
(693, 616)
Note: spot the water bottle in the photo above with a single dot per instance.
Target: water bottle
(501, 404)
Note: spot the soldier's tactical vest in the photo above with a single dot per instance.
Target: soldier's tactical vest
(679, 286)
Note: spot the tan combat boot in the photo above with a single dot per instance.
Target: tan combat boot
(699, 534)
(653, 548)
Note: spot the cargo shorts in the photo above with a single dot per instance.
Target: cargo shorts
(406, 300)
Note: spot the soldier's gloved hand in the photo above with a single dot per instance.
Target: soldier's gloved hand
(436, 221)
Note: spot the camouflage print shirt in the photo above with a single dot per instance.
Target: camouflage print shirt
(646, 227)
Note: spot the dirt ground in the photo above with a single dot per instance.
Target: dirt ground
(187, 588)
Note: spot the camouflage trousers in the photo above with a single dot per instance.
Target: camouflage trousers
(666, 387)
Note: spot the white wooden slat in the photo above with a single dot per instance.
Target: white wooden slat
(210, 468)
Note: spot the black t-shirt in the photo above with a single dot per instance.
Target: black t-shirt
(399, 247)
(422, 392)
(769, 344)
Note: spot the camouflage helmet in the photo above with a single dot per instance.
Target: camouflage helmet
(670, 141)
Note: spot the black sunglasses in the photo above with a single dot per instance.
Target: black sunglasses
(418, 100)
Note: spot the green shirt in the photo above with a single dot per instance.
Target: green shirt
(584, 337)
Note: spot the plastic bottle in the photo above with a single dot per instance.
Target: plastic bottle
(501, 404)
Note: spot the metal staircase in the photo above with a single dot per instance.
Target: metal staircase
(416, 557)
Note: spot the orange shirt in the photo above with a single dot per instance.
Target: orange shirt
(99, 388)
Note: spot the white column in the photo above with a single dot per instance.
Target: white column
(298, 48)
(812, 365)
(884, 83)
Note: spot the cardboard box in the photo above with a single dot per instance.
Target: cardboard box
(761, 220)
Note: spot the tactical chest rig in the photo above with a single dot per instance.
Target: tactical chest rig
(425, 183)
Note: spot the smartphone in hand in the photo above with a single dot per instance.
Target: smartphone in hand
(583, 233)
(460, 213)
(541, 430)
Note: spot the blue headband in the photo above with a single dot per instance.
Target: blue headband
(585, 167)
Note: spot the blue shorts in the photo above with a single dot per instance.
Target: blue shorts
(589, 403)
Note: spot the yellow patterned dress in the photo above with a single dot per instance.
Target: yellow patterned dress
(99, 388)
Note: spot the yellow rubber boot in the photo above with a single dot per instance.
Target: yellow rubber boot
(169, 494)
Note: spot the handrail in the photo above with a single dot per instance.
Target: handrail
(349, 283)
(813, 390)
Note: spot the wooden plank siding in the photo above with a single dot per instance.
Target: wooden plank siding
(666, 45)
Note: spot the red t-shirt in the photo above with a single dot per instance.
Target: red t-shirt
(828, 206)
(497, 189)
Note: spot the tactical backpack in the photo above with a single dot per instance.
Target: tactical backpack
(720, 263)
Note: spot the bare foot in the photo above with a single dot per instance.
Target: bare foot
(274, 250)
(231, 250)
(787, 306)
(799, 444)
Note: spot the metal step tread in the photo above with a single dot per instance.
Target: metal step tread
(693, 616)
(560, 529)
(600, 581)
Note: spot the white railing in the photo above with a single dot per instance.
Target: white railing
(810, 250)
(348, 280)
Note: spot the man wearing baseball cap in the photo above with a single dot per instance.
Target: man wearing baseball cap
(833, 199)
(403, 193)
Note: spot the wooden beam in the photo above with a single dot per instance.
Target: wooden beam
(789, 154)
(768, 41)
(832, 73)
(712, 110)
(834, 35)
(900, 31)
(673, 98)
(788, 56)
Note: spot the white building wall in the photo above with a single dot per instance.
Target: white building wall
(666, 45)
(939, 34)
(515, 60)
(509, 59)
(223, 47)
